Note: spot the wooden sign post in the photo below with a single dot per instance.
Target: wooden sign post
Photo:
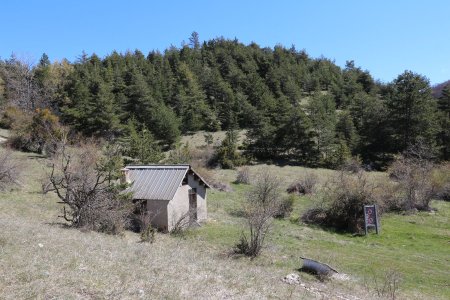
(371, 218)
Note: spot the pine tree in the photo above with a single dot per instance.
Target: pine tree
(412, 111)
(345, 130)
(103, 118)
(165, 124)
(444, 122)
(190, 101)
(139, 99)
(322, 113)
(141, 145)
(227, 155)
(296, 137)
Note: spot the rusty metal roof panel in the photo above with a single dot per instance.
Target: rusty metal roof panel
(156, 182)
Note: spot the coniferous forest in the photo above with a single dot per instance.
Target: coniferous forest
(296, 109)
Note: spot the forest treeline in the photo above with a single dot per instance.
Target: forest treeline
(296, 108)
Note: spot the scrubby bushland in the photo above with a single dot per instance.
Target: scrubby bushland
(414, 181)
(85, 182)
(262, 204)
(342, 202)
(10, 170)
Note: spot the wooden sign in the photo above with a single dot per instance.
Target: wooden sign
(371, 218)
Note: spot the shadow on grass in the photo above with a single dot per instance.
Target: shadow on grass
(320, 277)
(283, 162)
(36, 156)
(60, 225)
(332, 230)
(237, 212)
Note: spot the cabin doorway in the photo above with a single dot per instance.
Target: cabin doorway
(192, 206)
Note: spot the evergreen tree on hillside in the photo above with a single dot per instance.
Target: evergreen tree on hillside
(95, 112)
(444, 122)
(276, 94)
(322, 112)
(346, 131)
(165, 124)
(190, 102)
(227, 155)
(141, 145)
(412, 111)
(297, 138)
(444, 101)
(138, 97)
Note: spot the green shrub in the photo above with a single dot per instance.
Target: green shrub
(227, 155)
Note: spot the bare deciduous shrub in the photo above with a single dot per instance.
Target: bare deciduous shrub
(183, 222)
(413, 173)
(389, 196)
(202, 157)
(343, 199)
(286, 207)
(261, 205)
(11, 115)
(182, 154)
(389, 286)
(142, 221)
(352, 165)
(10, 170)
(243, 175)
(441, 180)
(86, 185)
(315, 215)
(305, 185)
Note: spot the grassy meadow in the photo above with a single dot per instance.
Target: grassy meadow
(40, 258)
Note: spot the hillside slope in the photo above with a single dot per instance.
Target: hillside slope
(41, 258)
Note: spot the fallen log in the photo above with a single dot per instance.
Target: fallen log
(317, 268)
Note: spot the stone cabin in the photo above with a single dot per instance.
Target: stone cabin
(172, 195)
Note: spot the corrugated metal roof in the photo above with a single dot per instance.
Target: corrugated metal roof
(157, 182)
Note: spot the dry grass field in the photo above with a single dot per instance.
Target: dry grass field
(42, 259)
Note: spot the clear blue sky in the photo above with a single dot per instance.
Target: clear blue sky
(382, 36)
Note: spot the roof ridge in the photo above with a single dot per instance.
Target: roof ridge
(157, 166)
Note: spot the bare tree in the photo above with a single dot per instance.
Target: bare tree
(18, 74)
(262, 204)
(84, 184)
(10, 170)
